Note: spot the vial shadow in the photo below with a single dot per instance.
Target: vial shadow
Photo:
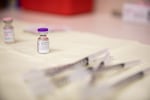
(52, 50)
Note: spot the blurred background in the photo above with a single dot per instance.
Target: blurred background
(123, 19)
(106, 5)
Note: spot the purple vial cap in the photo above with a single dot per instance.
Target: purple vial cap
(42, 29)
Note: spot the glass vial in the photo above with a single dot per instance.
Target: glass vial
(43, 41)
(8, 30)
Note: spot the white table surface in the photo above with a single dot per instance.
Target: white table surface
(99, 22)
(88, 36)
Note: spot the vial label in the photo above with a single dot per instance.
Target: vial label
(8, 35)
(43, 46)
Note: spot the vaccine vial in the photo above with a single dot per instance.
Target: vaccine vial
(8, 30)
(43, 41)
